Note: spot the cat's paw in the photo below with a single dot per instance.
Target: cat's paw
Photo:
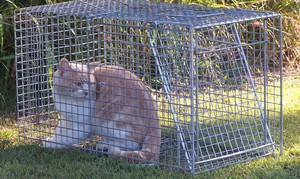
(51, 143)
(114, 152)
(103, 147)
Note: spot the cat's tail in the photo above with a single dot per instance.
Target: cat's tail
(149, 152)
(150, 147)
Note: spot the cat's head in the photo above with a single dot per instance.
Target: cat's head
(73, 80)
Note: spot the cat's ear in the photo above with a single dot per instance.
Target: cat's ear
(64, 65)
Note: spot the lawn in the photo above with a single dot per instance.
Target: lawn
(20, 160)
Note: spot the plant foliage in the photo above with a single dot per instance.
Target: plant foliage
(288, 8)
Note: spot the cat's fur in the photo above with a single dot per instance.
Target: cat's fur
(109, 101)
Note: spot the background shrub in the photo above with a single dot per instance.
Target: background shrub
(289, 10)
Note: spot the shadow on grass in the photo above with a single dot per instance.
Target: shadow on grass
(27, 161)
(31, 161)
(284, 166)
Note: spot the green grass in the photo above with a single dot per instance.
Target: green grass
(20, 160)
(33, 162)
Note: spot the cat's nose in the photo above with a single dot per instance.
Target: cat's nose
(85, 93)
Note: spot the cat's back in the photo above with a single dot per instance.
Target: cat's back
(115, 76)
(120, 86)
(109, 71)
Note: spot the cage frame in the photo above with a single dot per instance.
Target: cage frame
(153, 26)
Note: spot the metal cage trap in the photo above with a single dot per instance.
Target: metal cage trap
(215, 74)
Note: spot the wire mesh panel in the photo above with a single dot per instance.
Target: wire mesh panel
(185, 86)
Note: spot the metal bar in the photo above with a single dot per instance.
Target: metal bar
(166, 87)
(235, 162)
(193, 16)
(236, 153)
(193, 113)
(205, 50)
(251, 80)
(197, 101)
(16, 72)
(265, 79)
(281, 98)
(89, 73)
(265, 83)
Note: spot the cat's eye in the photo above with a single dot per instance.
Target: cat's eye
(78, 83)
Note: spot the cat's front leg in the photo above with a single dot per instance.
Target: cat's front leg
(57, 140)
(103, 145)
(67, 133)
(52, 142)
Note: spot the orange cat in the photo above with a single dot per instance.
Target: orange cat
(108, 101)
